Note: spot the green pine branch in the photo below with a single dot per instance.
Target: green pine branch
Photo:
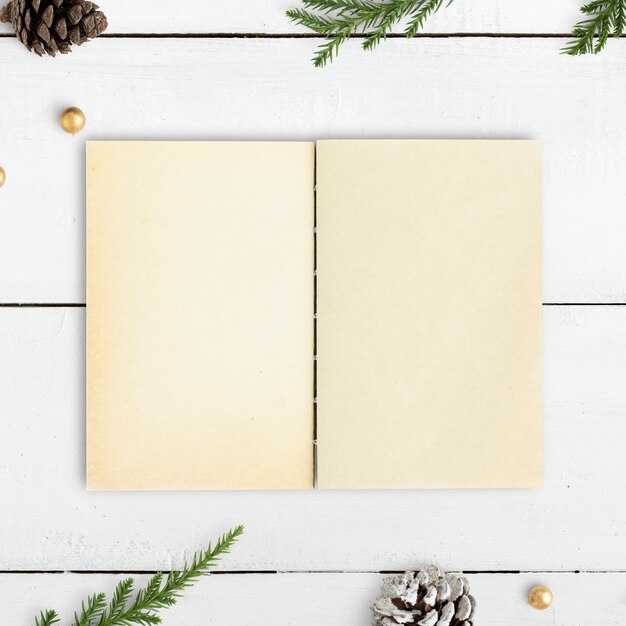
(91, 611)
(605, 18)
(159, 593)
(338, 20)
(47, 619)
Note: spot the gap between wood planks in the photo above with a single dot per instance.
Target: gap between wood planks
(218, 35)
(295, 572)
(80, 305)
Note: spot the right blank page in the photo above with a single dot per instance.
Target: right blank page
(429, 314)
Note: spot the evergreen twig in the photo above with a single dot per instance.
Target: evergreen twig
(47, 618)
(338, 20)
(92, 611)
(159, 593)
(605, 18)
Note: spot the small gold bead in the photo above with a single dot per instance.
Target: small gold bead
(73, 120)
(3, 177)
(540, 598)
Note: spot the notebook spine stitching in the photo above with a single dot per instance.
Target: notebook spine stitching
(315, 460)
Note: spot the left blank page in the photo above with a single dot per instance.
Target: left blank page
(200, 315)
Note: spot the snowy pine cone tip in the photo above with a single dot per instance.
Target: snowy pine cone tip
(426, 598)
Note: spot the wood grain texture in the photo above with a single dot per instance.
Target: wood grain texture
(576, 522)
(326, 599)
(266, 89)
(252, 16)
(235, 88)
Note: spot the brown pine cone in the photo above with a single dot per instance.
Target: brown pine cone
(426, 598)
(51, 26)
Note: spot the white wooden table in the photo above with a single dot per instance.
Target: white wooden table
(225, 69)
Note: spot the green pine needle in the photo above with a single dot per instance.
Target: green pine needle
(92, 611)
(47, 619)
(159, 593)
(605, 18)
(338, 20)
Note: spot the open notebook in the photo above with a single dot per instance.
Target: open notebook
(217, 270)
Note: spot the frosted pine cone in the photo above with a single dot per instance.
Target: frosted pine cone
(426, 598)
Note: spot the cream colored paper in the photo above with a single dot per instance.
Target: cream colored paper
(429, 314)
(199, 315)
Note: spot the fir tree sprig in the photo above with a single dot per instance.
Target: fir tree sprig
(159, 593)
(338, 20)
(605, 18)
(47, 618)
(91, 611)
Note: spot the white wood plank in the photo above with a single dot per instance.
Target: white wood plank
(325, 599)
(226, 16)
(576, 522)
(252, 16)
(266, 89)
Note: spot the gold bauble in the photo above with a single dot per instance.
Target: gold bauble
(540, 598)
(3, 177)
(73, 120)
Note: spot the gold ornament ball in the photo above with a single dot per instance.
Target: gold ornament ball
(73, 120)
(3, 177)
(540, 598)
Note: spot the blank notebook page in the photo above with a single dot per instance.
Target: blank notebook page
(429, 314)
(199, 315)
